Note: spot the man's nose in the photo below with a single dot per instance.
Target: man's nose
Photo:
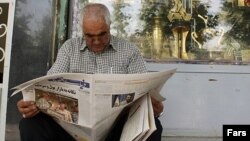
(96, 40)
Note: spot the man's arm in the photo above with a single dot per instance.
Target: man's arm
(28, 108)
(137, 65)
(157, 107)
(136, 62)
(62, 62)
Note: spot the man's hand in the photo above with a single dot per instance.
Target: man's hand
(27, 108)
(157, 107)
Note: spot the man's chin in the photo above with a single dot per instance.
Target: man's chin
(98, 50)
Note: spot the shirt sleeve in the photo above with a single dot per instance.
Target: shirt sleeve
(137, 63)
(62, 62)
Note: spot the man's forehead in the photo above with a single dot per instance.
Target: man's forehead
(95, 26)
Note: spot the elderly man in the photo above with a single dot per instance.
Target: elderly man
(97, 52)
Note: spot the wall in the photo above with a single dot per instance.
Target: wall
(201, 98)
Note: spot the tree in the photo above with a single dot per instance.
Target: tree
(239, 19)
(149, 11)
(121, 19)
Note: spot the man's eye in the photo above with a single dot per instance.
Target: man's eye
(92, 36)
(102, 34)
(89, 36)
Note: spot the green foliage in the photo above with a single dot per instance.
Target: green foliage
(121, 19)
(200, 54)
(151, 10)
(239, 19)
(201, 9)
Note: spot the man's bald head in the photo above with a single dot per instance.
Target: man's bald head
(95, 12)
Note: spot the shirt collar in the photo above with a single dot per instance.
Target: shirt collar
(112, 44)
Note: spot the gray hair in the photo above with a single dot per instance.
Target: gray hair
(95, 11)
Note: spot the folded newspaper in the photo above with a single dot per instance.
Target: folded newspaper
(86, 105)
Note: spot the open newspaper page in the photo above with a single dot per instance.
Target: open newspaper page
(86, 105)
(140, 123)
(151, 121)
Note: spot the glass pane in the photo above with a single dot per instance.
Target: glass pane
(186, 31)
(30, 54)
(4, 8)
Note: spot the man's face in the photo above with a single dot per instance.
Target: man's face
(46, 96)
(62, 106)
(128, 98)
(97, 34)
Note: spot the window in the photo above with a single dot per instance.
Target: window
(186, 31)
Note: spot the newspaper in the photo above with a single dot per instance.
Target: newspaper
(86, 105)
